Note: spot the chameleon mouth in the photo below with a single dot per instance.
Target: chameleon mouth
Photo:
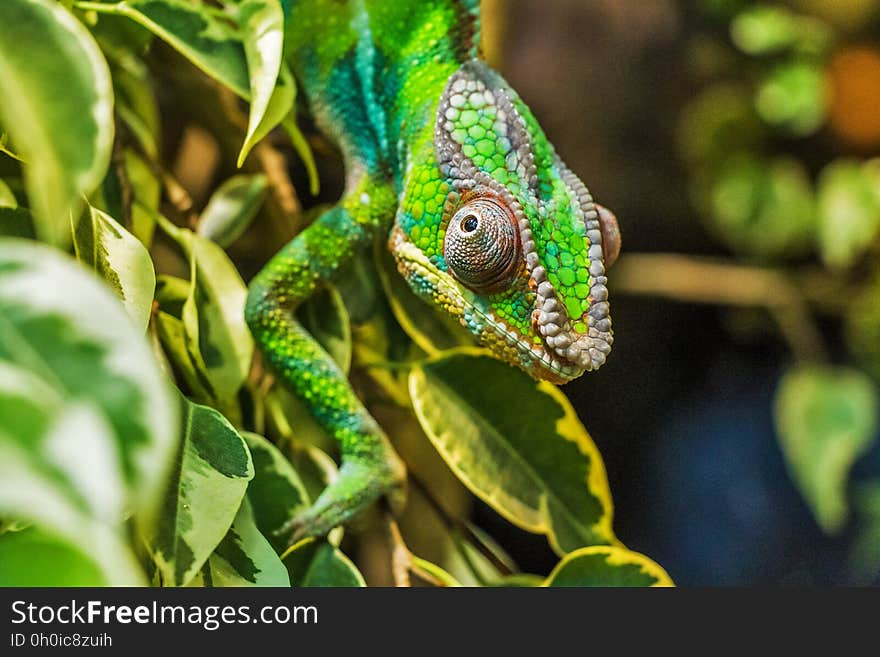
(588, 349)
(541, 361)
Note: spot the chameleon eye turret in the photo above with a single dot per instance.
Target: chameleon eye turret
(481, 247)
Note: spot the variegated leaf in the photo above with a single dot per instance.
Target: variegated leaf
(518, 445)
(120, 259)
(77, 452)
(209, 481)
(276, 492)
(64, 138)
(194, 31)
(244, 557)
(607, 565)
(314, 562)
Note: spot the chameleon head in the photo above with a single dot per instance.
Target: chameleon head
(493, 228)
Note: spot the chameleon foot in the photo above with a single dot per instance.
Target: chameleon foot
(359, 484)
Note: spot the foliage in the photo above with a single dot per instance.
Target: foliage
(779, 144)
(141, 439)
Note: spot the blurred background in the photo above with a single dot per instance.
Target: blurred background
(734, 139)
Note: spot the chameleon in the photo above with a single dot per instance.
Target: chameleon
(447, 165)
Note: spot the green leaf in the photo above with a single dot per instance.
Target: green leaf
(201, 35)
(120, 259)
(435, 571)
(244, 557)
(863, 560)
(121, 39)
(326, 318)
(863, 327)
(767, 30)
(483, 570)
(65, 138)
(489, 546)
(7, 198)
(313, 562)
(77, 451)
(171, 294)
(531, 460)
(136, 103)
(108, 196)
(302, 148)
(720, 119)
(146, 194)
(231, 208)
(172, 337)
(606, 565)
(281, 108)
(210, 477)
(763, 208)
(50, 451)
(59, 321)
(17, 222)
(4, 148)
(792, 97)
(519, 580)
(849, 210)
(140, 111)
(427, 534)
(314, 467)
(825, 418)
(214, 44)
(218, 340)
(276, 492)
(213, 318)
(262, 27)
(34, 558)
(764, 29)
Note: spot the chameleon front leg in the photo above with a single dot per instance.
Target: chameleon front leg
(370, 468)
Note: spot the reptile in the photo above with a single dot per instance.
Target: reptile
(447, 165)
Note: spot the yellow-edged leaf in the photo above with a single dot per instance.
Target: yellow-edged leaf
(516, 444)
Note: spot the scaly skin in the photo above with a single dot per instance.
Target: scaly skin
(485, 221)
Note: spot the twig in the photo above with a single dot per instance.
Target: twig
(703, 280)
(179, 198)
(401, 558)
(273, 165)
(452, 523)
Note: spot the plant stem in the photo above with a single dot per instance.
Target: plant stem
(461, 527)
(694, 279)
(401, 559)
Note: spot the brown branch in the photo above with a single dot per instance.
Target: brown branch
(694, 279)
(274, 166)
(177, 196)
(461, 527)
(401, 558)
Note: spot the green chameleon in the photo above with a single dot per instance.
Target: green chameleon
(445, 162)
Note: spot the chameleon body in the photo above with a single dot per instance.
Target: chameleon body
(445, 162)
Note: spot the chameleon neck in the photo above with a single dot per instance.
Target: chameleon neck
(373, 71)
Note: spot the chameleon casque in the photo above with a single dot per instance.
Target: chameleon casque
(445, 162)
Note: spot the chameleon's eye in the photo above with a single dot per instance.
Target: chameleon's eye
(482, 247)
(470, 223)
